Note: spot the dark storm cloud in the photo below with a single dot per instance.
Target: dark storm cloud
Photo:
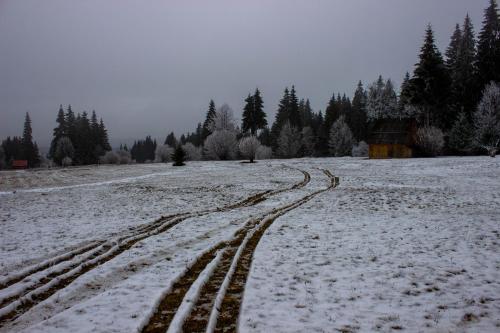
(149, 67)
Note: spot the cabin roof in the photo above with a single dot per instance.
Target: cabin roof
(393, 131)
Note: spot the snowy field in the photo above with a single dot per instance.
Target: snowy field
(409, 245)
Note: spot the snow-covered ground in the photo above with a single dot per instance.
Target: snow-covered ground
(409, 245)
(55, 210)
(400, 244)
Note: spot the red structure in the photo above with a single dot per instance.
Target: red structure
(20, 164)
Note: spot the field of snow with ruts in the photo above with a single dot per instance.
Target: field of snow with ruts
(275, 246)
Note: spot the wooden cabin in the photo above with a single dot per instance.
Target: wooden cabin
(19, 164)
(392, 138)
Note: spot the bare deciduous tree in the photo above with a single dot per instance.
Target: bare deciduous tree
(341, 138)
(221, 145)
(430, 140)
(248, 147)
(288, 141)
(487, 120)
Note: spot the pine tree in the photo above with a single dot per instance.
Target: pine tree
(254, 117)
(453, 50)
(58, 132)
(282, 116)
(358, 121)
(171, 140)
(103, 135)
(97, 149)
(488, 47)
(404, 95)
(464, 85)
(294, 115)
(179, 156)
(207, 125)
(70, 124)
(306, 113)
(430, 85)
(461, 135)
(29, 149)
(332, 112)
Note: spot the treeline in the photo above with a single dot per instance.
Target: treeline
(78, 140)
(20, 148)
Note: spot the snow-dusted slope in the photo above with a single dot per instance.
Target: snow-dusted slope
(403, 244)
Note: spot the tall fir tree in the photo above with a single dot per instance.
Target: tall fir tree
(404, 95)
(332, 112)
(209, 119)
(453, 49)
(282, 116)
(171, 140)
(464, 87)
(488, 48)
(254, 117)
(29, 148)
(358, 120)
(103, 135)
(294, 115)
(58, 132)
(430, 85)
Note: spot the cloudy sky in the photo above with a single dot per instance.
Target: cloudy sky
(150, 67)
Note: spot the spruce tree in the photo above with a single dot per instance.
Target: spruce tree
(358, 119)
(430, 85)
(103, 136)
(254, 117)
(404, 95)
(464, 86)
(461, 135)
(179, 156)
(209, 119)
(29, 149)
(282, 116)
(171, 140)
(488, 47)
(453, 50)
(294, 115)
(58, 132)
(332, 112)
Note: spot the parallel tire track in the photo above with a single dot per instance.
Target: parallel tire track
(16, 305)
(232, 269)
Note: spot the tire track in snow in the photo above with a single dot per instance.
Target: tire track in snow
(26, 296)
(224, 289)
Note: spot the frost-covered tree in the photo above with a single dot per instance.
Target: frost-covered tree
(221, 145)
(430, 140)
(341, 138)
(360, 150)
(163, 154)
(124, 156)
(248, 147)
(67, 161)
(307, 141)
(193, 153)
(264, 153)
(461, 135)
(64, 148)
(487, 119)
(289, 141)
(223, 120)
(382, 101)
(110, 158)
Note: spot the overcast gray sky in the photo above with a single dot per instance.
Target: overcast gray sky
(150, 67)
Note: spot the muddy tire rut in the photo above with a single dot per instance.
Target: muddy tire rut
(98, 253)
(217, 306)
